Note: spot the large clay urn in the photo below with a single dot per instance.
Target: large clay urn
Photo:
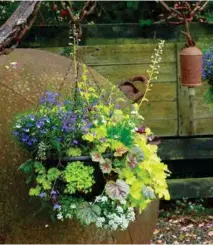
(191, 67)
(21, 86)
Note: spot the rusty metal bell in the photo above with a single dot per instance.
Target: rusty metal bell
(191, 67)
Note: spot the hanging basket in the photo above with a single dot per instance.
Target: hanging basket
(191, 67)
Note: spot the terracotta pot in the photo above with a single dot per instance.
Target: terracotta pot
(191, 67)
(41, 231)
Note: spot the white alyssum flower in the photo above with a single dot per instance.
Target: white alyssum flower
(119, 209)
(124, 224)
(112, 225)
(98, 199)
(131, 214)
(68, 216)
(123, 201)
(73, 206)
(104, 199)
(100, 221)
(59, 216)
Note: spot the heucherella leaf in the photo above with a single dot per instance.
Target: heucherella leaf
(88, 213)
(96, 157)
(148, 192)
(131, 160)
(117, 190)
(73, 152)
(106, 166)
(119, 148)
(138, 153)
(120, 151)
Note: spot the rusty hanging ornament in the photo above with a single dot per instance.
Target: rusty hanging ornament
(191, 67)
(184, 12)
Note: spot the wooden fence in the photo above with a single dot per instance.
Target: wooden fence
(168, 111)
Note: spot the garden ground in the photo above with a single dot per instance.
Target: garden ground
(185, 222)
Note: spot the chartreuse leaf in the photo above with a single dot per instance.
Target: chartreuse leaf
(47, 184)
(128, 175)
(135, 190)
(39, 168)
(88, 214)
(102, 147)
(78, 177)
(73, 152)
(35, 191)
(89, 137)
(100, 132)
(53, 174)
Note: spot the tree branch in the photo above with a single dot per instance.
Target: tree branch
(13, 30)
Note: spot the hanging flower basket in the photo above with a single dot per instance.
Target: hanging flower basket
(90, 162)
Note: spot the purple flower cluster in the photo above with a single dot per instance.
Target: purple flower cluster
(30, 128)
(207, 69)
(23, 130)
(50, 98)
(63, 125)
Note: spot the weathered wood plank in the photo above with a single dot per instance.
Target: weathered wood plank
(201, 90)
(123, 54)
(186, 148)
(162, 127)
(202, 110)
(190, 188)
(203, 126)
(159, 110)
(123, 72)
(160, 91)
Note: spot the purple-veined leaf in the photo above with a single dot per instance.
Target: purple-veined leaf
(97, 157)
(106, 166)
(117, 190)
(131, 160)
(148, 192)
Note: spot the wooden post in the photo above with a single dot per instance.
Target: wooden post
(191, 92)
(185, 105)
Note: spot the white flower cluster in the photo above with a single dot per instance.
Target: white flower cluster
(119, 218)
(101, 199)
(41, 155)
(69, 213)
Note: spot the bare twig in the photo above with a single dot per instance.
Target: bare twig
(183, 13)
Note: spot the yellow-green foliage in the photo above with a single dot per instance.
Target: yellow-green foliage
(78, 177)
